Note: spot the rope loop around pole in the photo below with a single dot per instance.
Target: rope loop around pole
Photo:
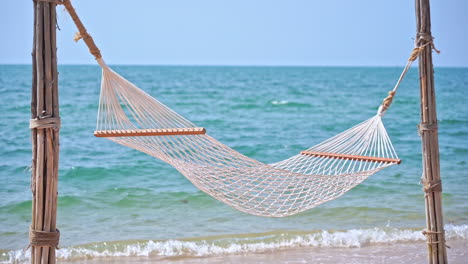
(428, 38)
(39, 238)
(423, 36)
(432, 186)
(427, 127)
(431, 236)
(45, 122)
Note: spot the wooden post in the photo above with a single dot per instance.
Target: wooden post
(44, 124)
(429, 136)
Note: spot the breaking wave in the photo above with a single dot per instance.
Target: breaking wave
(235, 244)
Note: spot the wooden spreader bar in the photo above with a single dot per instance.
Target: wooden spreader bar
(350, 157)
(150, 132)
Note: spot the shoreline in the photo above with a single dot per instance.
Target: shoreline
(375, 245)
(414, 252)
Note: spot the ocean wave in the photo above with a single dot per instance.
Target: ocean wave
(279, 102)
(288, 103)
(235, 244)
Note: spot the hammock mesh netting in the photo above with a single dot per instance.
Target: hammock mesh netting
(129, 116)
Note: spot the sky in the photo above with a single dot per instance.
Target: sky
(242, 32)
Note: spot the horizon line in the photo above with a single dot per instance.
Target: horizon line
(235, 65)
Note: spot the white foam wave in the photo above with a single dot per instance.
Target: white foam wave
(170, 248)
(279, 102)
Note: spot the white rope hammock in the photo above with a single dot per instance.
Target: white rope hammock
(129, 116)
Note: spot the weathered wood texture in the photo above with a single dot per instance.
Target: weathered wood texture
(45, 141)
(430, 143)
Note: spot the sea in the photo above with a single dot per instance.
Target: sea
(117, 202)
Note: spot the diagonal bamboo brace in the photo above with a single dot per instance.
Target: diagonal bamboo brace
(83, 33)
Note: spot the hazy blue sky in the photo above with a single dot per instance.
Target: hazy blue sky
(243, 32)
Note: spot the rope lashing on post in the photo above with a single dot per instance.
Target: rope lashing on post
(428, 38)
(45, 122)
(39, 238)
(432, 186)
(431, 236)
(427, 127)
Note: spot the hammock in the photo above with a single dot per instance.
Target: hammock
(129, 116)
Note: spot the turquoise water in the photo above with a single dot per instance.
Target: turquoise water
(112, 193)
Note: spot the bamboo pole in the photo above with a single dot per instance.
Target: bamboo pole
(40, 133)
(55, 132)
(44, 135)
(430, 142)
(34, 131)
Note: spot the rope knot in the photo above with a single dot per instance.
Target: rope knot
(388, 100)
(39, 238)
(432, 186)
(432, 236)
(386, 103)
(43, 122)
(426, 127)
(415, 53)
(428, 39)
(86, 38)
(77, 37)
(424, 36)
